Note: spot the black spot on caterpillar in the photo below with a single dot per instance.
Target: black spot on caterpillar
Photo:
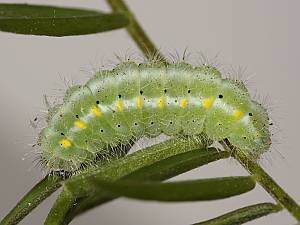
(133, 100)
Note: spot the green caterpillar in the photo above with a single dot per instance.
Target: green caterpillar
(135, 100)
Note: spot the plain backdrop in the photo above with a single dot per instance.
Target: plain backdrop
(259, 35)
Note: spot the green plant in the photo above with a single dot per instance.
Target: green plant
(138, 174)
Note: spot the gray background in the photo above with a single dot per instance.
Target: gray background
(262, 36)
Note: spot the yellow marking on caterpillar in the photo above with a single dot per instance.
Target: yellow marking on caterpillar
(183, 103)
(207, 103)
(120, 105)
(80, 124)
(139, 102)
(237, 114)
(161, 102)
(65, 143)
(96, 111)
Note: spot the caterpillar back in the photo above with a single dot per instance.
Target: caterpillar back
(119, 106)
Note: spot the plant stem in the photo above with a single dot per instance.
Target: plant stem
(269, 184)
(32, 199)
(62, 205)
(137, 32)
(264, 179)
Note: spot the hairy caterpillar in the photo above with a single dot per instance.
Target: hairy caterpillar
(133, 100)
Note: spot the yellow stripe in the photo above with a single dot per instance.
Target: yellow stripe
(237, 114)
(96, 111)
(161, 102)
(80, 124)
(139, 102)
(120, 105)
(207, 103)
(65, 143)
(183, 103)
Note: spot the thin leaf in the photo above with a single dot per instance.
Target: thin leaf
(158, 171)
(195, 190)
(116, 169)
(243, 215)
(32, 199)
(177, 164)
(57, 21)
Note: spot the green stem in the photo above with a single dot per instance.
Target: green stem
(32, 199)
(63, 203)
(265, 180)
(84, 204)
(137, 32)
(269, 184)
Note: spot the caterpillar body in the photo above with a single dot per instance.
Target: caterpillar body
(135, 100)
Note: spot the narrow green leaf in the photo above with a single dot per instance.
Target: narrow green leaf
(195, 190)
(116, 169)
(57, 21)
(161, 170)
(32, 199)
(243, 215)
(177, 164)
